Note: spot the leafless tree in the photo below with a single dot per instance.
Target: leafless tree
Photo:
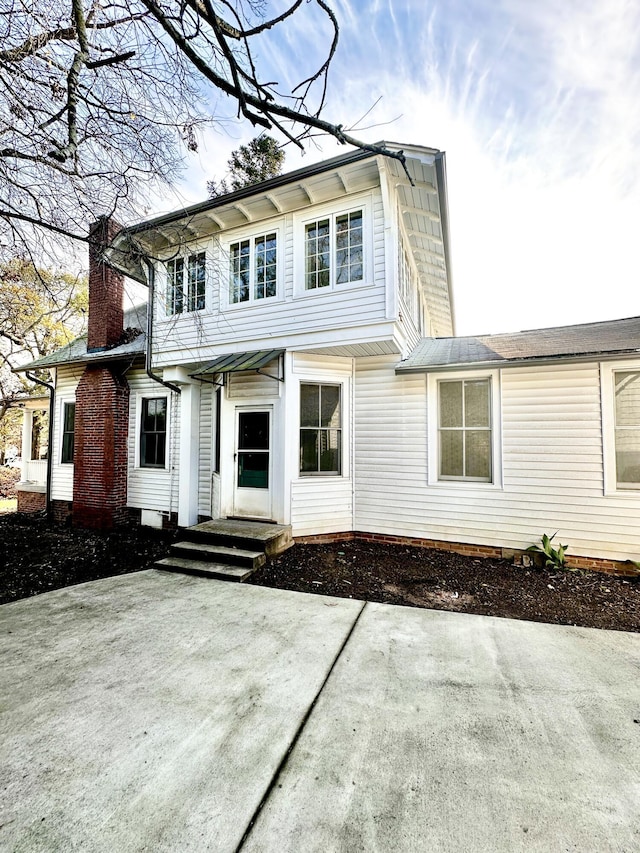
(101, 97)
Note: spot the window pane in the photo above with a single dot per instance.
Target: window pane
(253, 431)
(309, 405)
(196, 277)
(153, 437)
(478, 454)
(628, 456)
(308, 450)
(330, 406)
(450, 404)
(627, 393)
(476, 403)
(69, 417)
(451, 453)
(175, 279)
(330, 454)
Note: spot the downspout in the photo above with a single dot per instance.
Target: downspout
(52, 396)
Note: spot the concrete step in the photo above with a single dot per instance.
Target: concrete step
(216, 553)
(220, 571)
(272, 539)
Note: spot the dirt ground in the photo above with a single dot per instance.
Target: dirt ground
(36, 557)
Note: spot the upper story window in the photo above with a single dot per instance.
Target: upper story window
(334, 250)
(627, 428)
(186, 282)
(253, 268)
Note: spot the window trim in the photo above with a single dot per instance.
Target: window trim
(63, 408)
(433, 431)
(607, 402)
(140, 397)
(332, 212)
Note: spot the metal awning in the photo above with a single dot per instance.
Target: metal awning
(239, 362)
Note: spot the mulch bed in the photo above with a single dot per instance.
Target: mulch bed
(37, 556)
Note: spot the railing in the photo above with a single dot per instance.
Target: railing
(34, 471)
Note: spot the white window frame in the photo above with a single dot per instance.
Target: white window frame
(253, 234)
(433, 432)
(332, 212)
(152, 395)
(607, 400)
(185, 257)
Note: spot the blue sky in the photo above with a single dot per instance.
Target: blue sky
(538, 108)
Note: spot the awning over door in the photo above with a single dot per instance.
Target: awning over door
(238, 362)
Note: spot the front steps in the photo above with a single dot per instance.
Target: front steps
(227, 549)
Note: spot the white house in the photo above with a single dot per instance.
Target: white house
(299, 365)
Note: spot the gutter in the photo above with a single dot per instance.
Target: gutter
(52, 397)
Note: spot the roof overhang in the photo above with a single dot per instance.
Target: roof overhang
(500, 363)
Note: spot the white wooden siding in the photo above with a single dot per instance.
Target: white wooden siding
(552, 466)
(152, 488)
(67, 379)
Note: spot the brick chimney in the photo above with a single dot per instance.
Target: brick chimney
(102, 399)
(106, 289)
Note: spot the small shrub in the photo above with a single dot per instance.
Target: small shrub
(8, 479)
(554, 558)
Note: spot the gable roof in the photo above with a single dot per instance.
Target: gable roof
(580, 342)
(75, 352)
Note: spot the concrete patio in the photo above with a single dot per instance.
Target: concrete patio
(158, 712)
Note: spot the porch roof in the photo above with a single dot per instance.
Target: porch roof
(237, 362)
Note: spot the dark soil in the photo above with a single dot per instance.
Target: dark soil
(37, 556)
(441, 580)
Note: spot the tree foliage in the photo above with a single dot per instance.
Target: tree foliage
(101, 98)
(258, 160)
(40, 311)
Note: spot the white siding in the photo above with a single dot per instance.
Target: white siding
(321, 504)
(150, 488)
(67, 379)
(552, 466)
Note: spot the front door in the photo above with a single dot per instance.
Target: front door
(252, 491)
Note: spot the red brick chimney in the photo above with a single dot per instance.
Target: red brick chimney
(102, 399)
(106, 289)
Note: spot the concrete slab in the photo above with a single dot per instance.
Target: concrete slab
(150, 711)
(448, 732)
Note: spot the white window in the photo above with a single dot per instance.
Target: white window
(253, 268)
(626, 411)
(464, 428)
(334, 250)
(186, 295)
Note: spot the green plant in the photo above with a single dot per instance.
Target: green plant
(554, 558)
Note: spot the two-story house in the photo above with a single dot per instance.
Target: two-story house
(296, 362)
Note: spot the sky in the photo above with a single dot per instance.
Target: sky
(537, 106)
